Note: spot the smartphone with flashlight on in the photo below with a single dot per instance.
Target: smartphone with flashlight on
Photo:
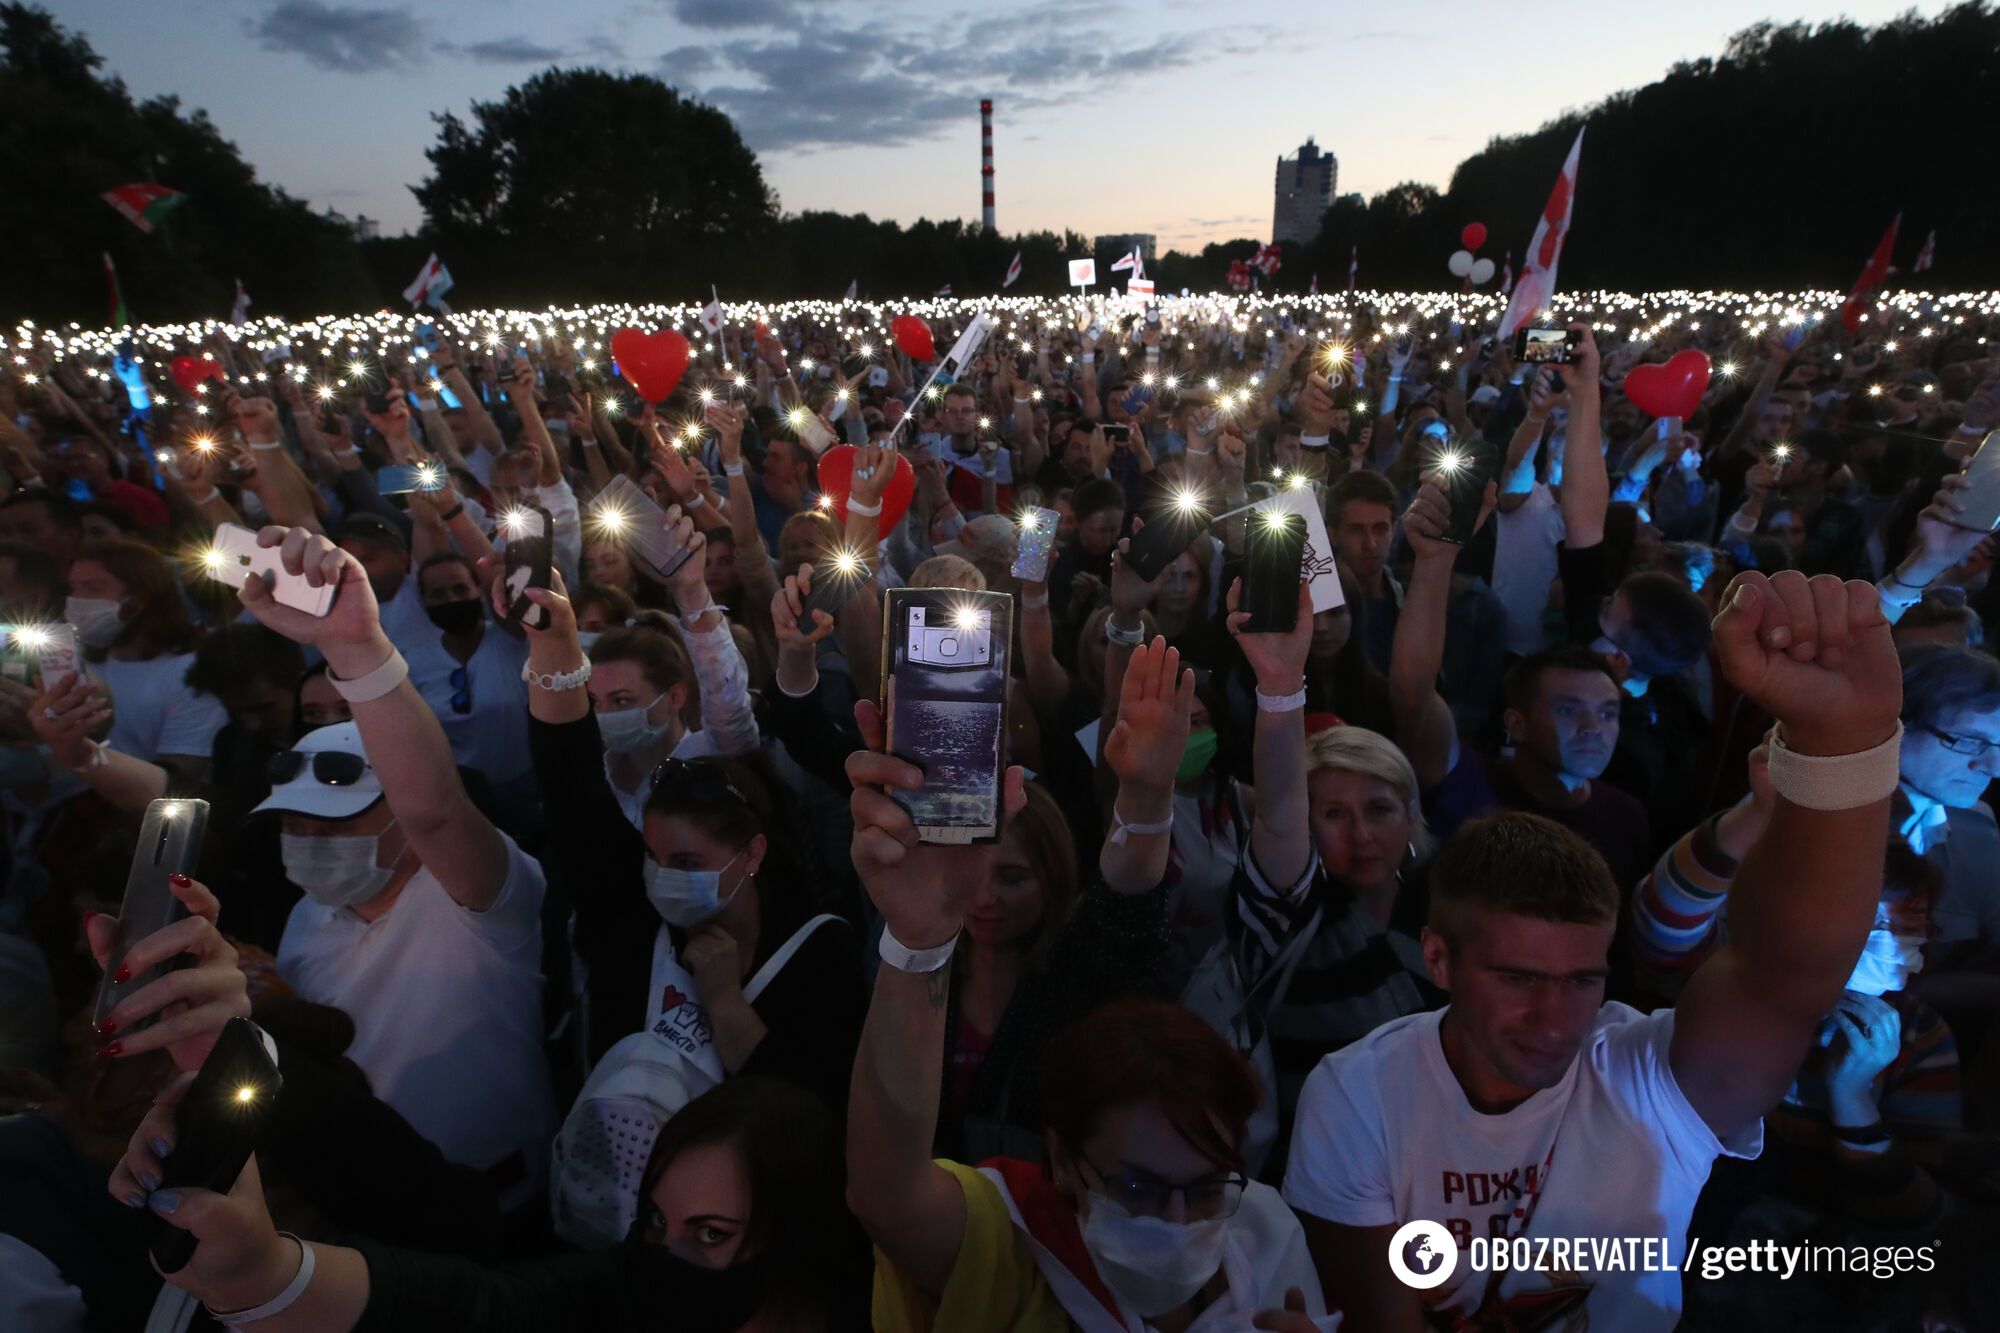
(1546, 346)
(833, 582)
(1168, 531)
(944, 698)
(56, 654)
(216, 1126)
(1273, 568)
(624, 510)
(169, 842)
(530, 556)
(1034, 544)
(1466, 470)
(404, 478)
(235, 558)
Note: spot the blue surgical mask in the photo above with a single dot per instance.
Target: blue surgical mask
(630, 730)
(688, 898)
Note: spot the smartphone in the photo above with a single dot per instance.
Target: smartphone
(1035, 542)
(1546, 346)
(235, 557)
(1470, 468)
(624, 510)
(1794, 336)
(530, 553)
(944, 695)
(427, 336)
(1139, 396)
(215, 1129)
(852, 366)
(1273, 559)
(56, 654)
(1116, 434)
(814, 435)
(1166, 534)
(833, 582)
(1153, 316)
(1980, 500)
(169, 842)
(403, 478)
(878, 377)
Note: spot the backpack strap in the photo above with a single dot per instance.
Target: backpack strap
(776, 962)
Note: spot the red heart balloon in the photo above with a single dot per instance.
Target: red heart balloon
(836, 478)
(914, 337)
(1474, 235)
(654, 362)
(1672, 389)
(190, 371)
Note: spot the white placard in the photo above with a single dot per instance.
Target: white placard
(1318, 564)
(1082, 272)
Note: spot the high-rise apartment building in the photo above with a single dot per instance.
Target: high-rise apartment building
(1304, 191)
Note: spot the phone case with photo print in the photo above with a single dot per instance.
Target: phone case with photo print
(944, 702)
(530, 533)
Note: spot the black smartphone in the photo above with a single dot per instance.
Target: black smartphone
(169, 842)
(1546, 346)
(530, 536)
(1466, 469)
(624, 510)
(944, 698)
(215, 1129)
(851, 367)
(833, 582)
(1117, 434)
(1167, 532)
(1273, 561)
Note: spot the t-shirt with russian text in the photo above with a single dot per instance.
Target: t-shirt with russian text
(1385, 1135)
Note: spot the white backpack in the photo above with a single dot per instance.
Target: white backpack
(600, 1154)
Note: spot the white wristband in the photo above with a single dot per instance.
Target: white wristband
(1129, 638)
(375, 684)
(697, 502)
(556, 681)
(284, 1299)
(1281, 703)
(854, 506)
(733, 469)
(1031, 602)
(1090, 358)
(275, 444)
(1120, 830)
(214, 493)
(1836, 782)
(905, 959)
(1314, 441)
(687, 621)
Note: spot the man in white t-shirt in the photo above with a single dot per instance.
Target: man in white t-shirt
(1529, 1106)
(420, 919)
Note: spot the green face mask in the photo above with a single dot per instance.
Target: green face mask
(1200, 753)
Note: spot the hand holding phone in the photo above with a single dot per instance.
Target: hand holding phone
(1467, 471)
(624, 510)
(169, 842)
(1035, 540)
(830, 584)
(1275, 547)
(1546, 346)
(1979, 501)
(530, 557)
(235, 558)
(216, 1125)
(944, 706)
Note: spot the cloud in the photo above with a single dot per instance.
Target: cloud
(735, 13)
(603, 47)
(512, 51)
(345, 39)
(682, 61)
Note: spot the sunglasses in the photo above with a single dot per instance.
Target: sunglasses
(695, 784)
(461, 691)
(333, 768)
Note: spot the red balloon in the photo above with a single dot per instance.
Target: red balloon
(189, 371)
(914, 337)
(1670, 389)
(653, 362)
(836, 478)
(1474, 235)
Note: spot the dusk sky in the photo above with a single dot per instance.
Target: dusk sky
(1108, 117)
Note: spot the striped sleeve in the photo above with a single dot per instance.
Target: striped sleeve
(1673, 913)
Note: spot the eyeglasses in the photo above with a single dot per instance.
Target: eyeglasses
(695, 784)
(461, 691)
(1972, 747)
(1144, 1196)
(333, 768)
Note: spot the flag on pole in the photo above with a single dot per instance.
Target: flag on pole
(1926, 255)
(1314, 289)
(711, 314)
(120, 317)
(432, 282)
(240, 312)
(1239, 275)
(1267, 259)
(144, 203)
(1537, 286)
(1013, 271)
(1135, 261)
(944, 290)
(1507, 274)
(1873, 273)
(1353, 266)
(853, 289)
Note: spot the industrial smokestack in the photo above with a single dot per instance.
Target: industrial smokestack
(986, 162)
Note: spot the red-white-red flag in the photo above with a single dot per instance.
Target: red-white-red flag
(1873, 274)
(1537, 286)
(1134, 262)
(944, 290)
(1926, 255)
(1013, 270)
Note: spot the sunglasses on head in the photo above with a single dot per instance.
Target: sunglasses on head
(333, 768)
(695, 784)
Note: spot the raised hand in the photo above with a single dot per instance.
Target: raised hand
(1316, 409)
(1814, 653)
(670, 463)
(1130, 594)
(1154, 706)
(1941, 543)
(1429, 516)
(1581, 375)
(790, 604)
(1278, 660)
(688, 583)
(726, 420)
(353, 620)
(1232, 457)
(69, 717)
(192, 1002)
(873, 468)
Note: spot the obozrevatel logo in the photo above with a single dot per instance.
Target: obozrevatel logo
(1422, 1254)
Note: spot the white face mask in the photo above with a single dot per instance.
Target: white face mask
(1887, 962)
(96, 619)
(629, 730)
(688, 898)
(1150, 1264)
(337, 870)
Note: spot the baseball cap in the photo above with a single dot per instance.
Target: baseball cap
(372, 529)
(989, 537)
(329, 787)
(1484, 396)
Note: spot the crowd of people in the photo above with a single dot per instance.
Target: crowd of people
(1620, 869)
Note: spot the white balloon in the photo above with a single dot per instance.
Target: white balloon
(1482, 272)
(1461, 263)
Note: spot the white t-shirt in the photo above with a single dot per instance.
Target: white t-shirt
(447, 1009)
(1385, 1135)
(492, 738)
(156, 711)
(1524, 565)
(403, 618)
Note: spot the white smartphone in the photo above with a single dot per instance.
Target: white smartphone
(1981, 496)
(58, 655)
(235, 556)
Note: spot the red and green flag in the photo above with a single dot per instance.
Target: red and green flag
(143, 204)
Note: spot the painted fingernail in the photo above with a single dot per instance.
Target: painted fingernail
(165, 1201)
(112, 1051)
(149, 1180)
(89, 915)
(133, 1200)
(124, 973)
(160, 1147)
(179, 881)
(107, 1027)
